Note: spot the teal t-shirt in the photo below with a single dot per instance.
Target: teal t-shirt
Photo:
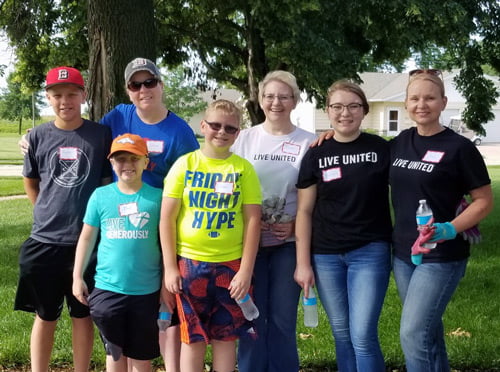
(128, 256)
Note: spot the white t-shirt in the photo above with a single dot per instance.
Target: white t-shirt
(276, 160)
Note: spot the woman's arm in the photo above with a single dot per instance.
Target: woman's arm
(306, 200)
(481, 206)
(241, 282)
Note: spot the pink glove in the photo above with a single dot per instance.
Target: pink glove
(472, 235)
(417, 249)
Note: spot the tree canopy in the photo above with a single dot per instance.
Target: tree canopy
(18, 105)
(237, 42)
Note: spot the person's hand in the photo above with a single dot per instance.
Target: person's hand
(417, 249)
(283, 231)
(80, 291)
(173, 281)
(472, 234)
(23, 145)
(240, 285)
(304, 276)
(323, 136)
(443, 231)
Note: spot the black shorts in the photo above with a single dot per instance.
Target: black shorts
(128, 321)
(46, 279)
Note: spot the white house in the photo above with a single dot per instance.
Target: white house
(385, 93)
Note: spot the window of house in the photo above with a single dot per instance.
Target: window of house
(393, 120)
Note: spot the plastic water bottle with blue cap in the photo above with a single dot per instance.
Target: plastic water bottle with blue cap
(164, 318)
(250, 311)
(310, 306)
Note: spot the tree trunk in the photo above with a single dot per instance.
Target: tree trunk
(119, 31)
(256, 68)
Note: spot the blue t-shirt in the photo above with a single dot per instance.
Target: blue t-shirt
(166, 140)
(128, 256)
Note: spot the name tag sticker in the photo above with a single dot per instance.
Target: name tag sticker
(128, 209)
(155, 146)
(224, 187)
(68, 153)
(433, 156)
(332, 174)
(290, 148)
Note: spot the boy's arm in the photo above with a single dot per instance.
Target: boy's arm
(170, 208)
(251, 234)
(86, 244)
(304, 276)
(32, 188)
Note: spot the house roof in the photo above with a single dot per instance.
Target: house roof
(391, 87)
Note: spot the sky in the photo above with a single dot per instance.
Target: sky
(7, 58)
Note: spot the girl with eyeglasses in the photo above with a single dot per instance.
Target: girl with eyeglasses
(344, 228)
(432, 162)
(275, 148)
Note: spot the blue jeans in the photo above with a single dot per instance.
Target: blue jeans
(352, 288)
(276, 296)
(425, 291)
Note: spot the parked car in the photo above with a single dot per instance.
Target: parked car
(458, 126)
(477, 139)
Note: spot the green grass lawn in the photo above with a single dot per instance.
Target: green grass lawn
(472, 321)
(9, 150)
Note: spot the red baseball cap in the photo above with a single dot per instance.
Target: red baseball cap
(64, 75)
(130, 143)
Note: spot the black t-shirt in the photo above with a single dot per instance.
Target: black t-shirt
(352, 203)
(441, 169)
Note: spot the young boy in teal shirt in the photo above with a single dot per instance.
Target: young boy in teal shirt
(124, 303)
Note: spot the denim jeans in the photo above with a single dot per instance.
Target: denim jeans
(425, 291)
(352, 287)
(276, 296)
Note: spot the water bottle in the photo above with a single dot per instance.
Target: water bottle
(164, 317)
(250, 311)
(310, 305)
(424, 215)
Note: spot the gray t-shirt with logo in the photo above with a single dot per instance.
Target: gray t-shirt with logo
(70, 165)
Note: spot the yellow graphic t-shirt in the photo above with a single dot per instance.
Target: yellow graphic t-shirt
(213, 191)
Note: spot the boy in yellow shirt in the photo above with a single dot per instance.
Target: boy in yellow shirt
(209, 231)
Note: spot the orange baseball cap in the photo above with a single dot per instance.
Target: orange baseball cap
(130, 143)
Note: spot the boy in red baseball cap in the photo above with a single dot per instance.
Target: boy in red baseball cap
(124, 303)
(65, 163)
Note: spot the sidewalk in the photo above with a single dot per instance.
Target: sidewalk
(490, 152)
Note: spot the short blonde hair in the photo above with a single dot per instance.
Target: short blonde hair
(284, 77)
(227, 107)
(348, 86)
(433, 78)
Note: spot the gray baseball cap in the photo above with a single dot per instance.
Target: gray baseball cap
(141, 64)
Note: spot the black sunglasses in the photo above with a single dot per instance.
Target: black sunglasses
(430, 71)
(135, 86)
(229, 129)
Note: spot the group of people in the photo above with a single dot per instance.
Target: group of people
(266, 211)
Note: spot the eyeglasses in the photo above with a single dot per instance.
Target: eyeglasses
(269, 98)
(351, 107)
(135, 86)
(430, 71)
(229, 129)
